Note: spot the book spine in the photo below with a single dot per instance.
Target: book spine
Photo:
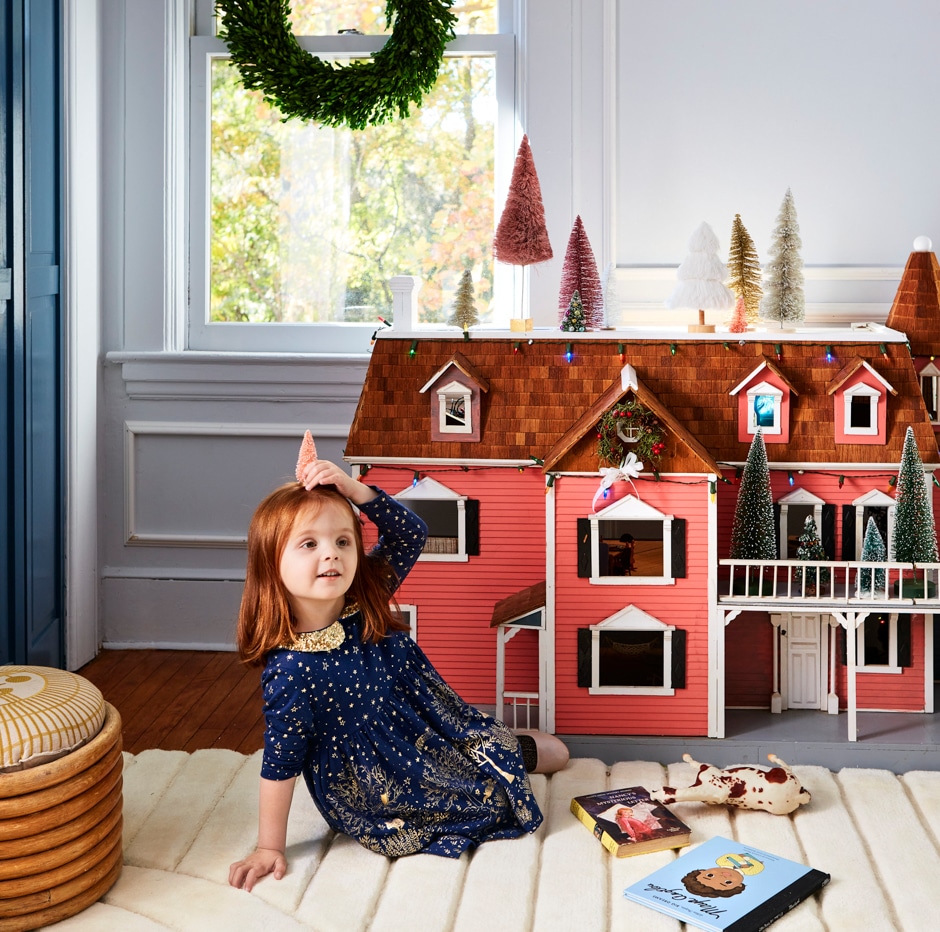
(591, 823)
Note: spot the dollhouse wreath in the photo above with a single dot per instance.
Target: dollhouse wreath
(626, 428)
(357, 95)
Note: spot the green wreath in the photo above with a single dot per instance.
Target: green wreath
(638, 422)
(359, 94)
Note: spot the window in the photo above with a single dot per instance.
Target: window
(452, 520)
(794, 508)
(409, 614)
(455, 391)
(764, 409)
(874, 504)
(883, 643)
(631, 543)
(929, 389)
(861, 409)
(296, 229)
(631, 653)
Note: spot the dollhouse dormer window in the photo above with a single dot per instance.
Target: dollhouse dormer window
(930, 389)
(453, 521)
(764, 399)
(764, 409)
(860, 395)
(455, 392)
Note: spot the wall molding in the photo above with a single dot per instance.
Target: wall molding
(133, 537)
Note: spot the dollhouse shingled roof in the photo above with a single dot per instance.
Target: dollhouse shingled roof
(536, 397)
(916, 307)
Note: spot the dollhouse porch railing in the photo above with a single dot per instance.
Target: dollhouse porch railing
(516, 706)
(829, 582)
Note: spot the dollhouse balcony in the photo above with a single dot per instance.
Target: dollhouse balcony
(828, 584)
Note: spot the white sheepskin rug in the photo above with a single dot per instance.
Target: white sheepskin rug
(188, 816)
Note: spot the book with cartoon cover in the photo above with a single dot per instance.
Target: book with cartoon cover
(627, 822)
(727, 886)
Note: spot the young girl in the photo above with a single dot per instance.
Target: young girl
(390, 754)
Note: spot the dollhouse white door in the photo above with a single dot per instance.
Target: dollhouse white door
(803, 661)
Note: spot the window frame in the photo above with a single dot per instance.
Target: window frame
(932, 373)
(861, 390)
(454, 390)
(797, 497)
(334, 337)
(873, 499)
(764, 389)
(631, 508)
(633, 619)
(893, 666)
(430, 490)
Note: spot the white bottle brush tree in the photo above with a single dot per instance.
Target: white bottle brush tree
(701, 276)
(783, 299)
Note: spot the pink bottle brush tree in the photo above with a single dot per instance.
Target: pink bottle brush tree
(521, 235)
(579, 274)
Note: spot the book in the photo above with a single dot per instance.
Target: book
(727, 886)
(628, 822)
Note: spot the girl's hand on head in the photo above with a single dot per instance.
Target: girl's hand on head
(323, 472)
(261, 862)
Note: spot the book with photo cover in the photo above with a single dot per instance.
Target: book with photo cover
(727, 886)
(628, 822)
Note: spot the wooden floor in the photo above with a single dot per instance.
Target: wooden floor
(181, 700)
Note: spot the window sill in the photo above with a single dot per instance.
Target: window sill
(879, 669)
(631, 691)
(633, 580)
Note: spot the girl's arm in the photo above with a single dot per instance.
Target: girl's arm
(274, 801)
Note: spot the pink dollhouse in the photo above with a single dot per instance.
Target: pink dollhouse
(585, 595)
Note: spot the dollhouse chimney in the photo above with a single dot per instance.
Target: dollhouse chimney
(405, 290)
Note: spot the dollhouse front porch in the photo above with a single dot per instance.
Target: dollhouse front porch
(802, 597)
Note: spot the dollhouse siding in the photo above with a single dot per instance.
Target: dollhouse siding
(579, 604)
(749, 661)
(455, 600)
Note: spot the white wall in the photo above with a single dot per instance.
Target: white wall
(644, 118)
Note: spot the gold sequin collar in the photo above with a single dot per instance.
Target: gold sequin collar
(326, 638)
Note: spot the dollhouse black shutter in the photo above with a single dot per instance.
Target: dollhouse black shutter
(678, 658)
(472, 518)
(678, 548)
(848, 532)
(904, 640)
(584, 657)
(584, 548)
(828, 531)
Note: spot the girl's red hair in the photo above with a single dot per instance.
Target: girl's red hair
(264, 618)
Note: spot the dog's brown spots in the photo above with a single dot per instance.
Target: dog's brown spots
(777, 775)
(736, 789)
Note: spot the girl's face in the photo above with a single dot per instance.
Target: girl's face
(319, 561)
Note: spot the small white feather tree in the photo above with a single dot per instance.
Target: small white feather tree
(783, 275)
(700, 278)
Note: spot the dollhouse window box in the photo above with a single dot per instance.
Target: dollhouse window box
(631, 653)
(453, 521)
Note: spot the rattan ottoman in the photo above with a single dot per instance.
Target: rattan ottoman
(60, 797)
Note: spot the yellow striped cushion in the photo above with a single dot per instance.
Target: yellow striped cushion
(44, 714)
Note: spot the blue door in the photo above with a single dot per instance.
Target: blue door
(31, 493)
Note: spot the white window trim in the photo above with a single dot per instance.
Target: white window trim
(631, 508)
(892, 665)
(444, 394)
(930, 371)
(410, 612)
(428, 489)
(861, 391)
(797, 497)
(764, 388)
(873, 499)
(631, 618)
(335, 337)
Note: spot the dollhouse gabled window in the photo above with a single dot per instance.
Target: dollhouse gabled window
(453, 521)
(454, 409)
(631, 653)
(631, 543)
(764, 399)
(860, 396)
(792, 510)
(861, 409)
(764, 409)
(930, 389)
(455, 392)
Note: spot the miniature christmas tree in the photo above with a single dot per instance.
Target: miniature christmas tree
(809, 547)
(521, 236)
(574, 316)
(579, 273)
(306, 455)
(783, 298)
(739, 318)
(701, 276)
(915, 539)
(465, 312)
(873, 551)
(744, 269)
(752, 533)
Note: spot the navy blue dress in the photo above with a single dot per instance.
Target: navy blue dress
(390, 753)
